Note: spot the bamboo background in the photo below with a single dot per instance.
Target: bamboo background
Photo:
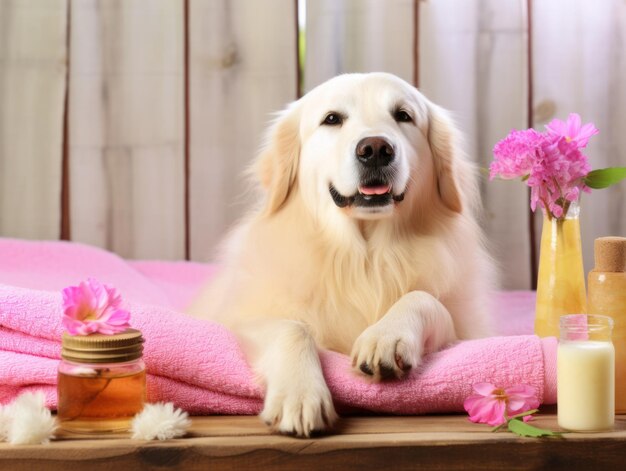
(126, 124)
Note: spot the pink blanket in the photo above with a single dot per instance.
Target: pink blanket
(198, 364)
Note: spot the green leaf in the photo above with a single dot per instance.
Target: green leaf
(524, 430)
(605, 177)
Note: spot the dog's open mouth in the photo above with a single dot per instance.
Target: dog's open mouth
(369, 194)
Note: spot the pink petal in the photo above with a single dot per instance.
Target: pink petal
(585, 133)
(119, 317)
(515, 404)
(588, 130)
(82, 329)
(557, 127)
(484, 389)
(115, 298)
(71, 325)
(497, 415)
(108, 329)
(86, 294)
(472, 402)
(521, 390)
(99, 295)
(68, 296)
(573, 125)
(104, 329)
(521, 398)
(477, 406)
(492, 413)
(91, 327)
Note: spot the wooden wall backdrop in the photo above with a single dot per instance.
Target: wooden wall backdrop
(126, 121)
(126, 124)
(33, 81)
(242, 67)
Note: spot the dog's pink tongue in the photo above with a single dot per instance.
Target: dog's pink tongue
(375, 190)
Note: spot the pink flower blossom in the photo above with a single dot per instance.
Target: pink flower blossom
(93, 307)
(551, 163)
(572, 130)
(493, 406)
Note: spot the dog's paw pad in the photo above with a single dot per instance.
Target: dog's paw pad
(386, 371)
(382, 356)
(365, 368)
(402, 365)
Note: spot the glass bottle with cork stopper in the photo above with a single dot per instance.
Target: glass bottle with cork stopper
(606, 285)
(101, 381)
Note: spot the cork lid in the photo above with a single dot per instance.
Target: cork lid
(99, 348)
(610, 254)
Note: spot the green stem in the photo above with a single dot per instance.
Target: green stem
(524, 414)
(516, 416)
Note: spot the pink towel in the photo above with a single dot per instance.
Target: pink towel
(198, 364)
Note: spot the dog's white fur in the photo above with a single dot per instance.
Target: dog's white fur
(385, 286)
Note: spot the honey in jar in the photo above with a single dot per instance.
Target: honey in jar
(101, 381)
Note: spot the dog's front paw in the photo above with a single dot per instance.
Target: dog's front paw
(299, 409)
(381, 353)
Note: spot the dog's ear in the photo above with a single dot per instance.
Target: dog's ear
(442, 138)
(277, 165)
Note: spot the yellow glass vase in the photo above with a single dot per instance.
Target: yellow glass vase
(561, 280)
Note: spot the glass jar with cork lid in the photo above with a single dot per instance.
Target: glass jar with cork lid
(607, 296)
(101, 381)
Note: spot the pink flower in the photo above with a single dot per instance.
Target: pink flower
(550, 163)
(572, 130)
(93, 307)
(515, 154)
(493, 406)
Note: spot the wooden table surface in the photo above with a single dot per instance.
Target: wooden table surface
(431, 442)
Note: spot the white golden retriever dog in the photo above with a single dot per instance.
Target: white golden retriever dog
(365, 243)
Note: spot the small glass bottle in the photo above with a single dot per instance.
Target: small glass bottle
(607, 296)
(586, 373)
(101, 381)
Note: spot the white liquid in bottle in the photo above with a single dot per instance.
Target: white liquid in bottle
(586, 385)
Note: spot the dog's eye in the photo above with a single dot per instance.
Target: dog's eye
(333, 119)
(402, 116)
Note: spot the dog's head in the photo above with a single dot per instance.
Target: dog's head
(365, 145)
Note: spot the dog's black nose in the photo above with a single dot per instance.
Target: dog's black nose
(374, 151)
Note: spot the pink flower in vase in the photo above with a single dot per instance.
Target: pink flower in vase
(93, 307)
(550, 163)
(493, 406)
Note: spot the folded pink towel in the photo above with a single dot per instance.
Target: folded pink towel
(198, 364)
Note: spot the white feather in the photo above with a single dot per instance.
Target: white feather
(160, 421)
(27, 421)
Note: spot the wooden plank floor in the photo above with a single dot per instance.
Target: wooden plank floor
(364, 443)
